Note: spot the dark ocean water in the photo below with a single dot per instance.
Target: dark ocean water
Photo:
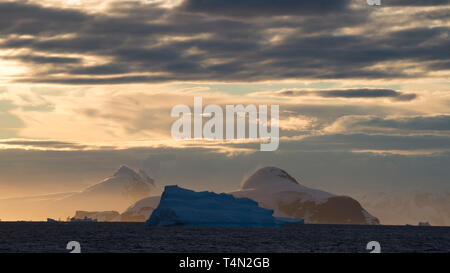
(136, 237)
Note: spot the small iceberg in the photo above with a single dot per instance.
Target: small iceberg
(183, 207)
(291, 220)
(85, 219)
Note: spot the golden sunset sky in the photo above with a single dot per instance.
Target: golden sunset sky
(88, 85)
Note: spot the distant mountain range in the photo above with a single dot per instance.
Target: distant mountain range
(117, 192)
(409, 207)
(134, 196)
(275, 189)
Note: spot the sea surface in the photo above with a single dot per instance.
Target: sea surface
(136, 237)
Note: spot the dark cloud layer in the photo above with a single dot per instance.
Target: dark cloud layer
(23, 18)
(346, 142)
(415, 2)
(414, 123)
(305, 160)
(366, 93)
(145, 43)
(264, 7)
(44, 59)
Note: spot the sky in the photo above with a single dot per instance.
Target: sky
(88, 85)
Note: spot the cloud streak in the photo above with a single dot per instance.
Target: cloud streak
(412, 124)
(40, 144)
(416, 3)
(255, 8)
(361, 93)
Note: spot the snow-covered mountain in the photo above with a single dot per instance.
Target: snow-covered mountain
(275, 189)
(117, 192)
(125, 183)
(185, 207)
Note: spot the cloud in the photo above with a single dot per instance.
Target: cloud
(40, 144)
(260, 8)
(45, 59)
(9, 122)
(348, 141)
(25, 100)
(138, 43)
(305, 160)
(362, 93)
(97, 80)
(35, 19)
(412, 124)
(297, 123)
(406, 3)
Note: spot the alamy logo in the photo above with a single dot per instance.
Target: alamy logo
(374, 2)
(213, 129)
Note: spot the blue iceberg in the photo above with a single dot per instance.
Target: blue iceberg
(182, 207)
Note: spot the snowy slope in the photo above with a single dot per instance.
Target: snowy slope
(180, 206)
(117, 192)
(272, 179)
(141, 210)
(125, 182)
(275, 189)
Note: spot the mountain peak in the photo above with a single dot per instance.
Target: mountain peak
(125, 183)
(274, 171)
(125, 170)
(269, 177)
